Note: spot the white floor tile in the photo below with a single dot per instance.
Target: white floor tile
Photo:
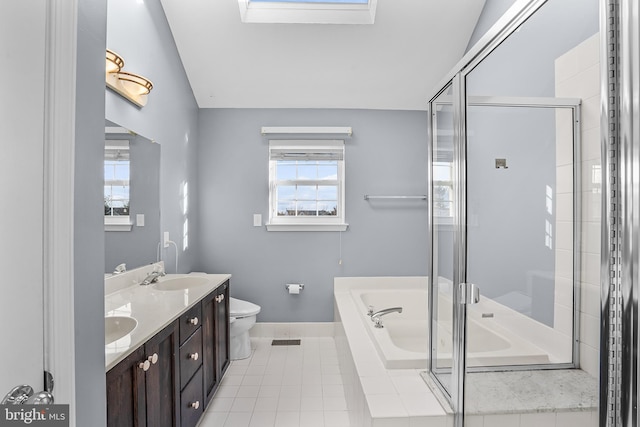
(266, 404)
(289, 404)
(243, 404)
(213, 419)
(263, 419)
(221, 404)
(248, 391)
(336, 418)
(311, 404)
(312, 419)
(286, 386)
(238, 419)
(269, 390)
(287, 419)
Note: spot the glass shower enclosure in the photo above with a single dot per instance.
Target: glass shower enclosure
(506, 213)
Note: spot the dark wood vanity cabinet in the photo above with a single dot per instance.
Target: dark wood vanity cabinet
(191, 397)
(215, 329)
(142, 389)
(169, 381)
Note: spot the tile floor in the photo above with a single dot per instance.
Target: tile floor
(282, 386)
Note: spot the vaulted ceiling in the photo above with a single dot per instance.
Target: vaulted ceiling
(393, 64)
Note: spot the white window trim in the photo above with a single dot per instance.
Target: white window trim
(117, 223)
(307, 13)
(276, 223)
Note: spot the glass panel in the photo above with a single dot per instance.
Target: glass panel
(520, 217)
(306, 192)
(443, 239)
(287, 208)
(307, 170)
(328, 192)
(286, 192)
(327, 171)
(285, 171)
(526, 278)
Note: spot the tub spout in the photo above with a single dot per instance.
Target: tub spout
(376, 316)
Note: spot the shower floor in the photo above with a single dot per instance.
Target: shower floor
(540, 391)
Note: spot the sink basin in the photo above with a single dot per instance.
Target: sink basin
(116, 327)
(180, 283)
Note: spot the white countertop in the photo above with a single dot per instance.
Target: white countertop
(153, 309)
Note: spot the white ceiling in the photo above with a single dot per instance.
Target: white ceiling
(392, 64)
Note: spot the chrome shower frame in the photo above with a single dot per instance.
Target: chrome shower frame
(517, 15)
(620, 261)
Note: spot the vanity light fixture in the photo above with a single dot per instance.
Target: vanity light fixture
(130, 86)
(114, 63)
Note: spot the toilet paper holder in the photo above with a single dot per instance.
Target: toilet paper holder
(297, 284)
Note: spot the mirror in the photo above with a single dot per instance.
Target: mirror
(132, 199)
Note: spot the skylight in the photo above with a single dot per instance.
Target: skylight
(308, 11)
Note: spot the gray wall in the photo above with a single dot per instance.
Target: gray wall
(138, 246)
(491, 12)
(90, 404)
(386, 156)
(139, 32)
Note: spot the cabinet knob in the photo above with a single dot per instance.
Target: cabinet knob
(194, 321)
(144, 365)
(153, 358)
(193, 356)
(194, 405)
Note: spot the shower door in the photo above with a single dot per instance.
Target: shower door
(521, 199)
(442, 205)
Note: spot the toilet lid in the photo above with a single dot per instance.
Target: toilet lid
(241, 308)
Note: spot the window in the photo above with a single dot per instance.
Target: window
(308, 11)
(306, 185)
(442, 189)
(116, 185)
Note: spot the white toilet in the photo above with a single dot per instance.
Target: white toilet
(243, 316)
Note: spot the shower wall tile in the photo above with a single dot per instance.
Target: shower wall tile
(564, 178)
(590, 330)
(564, 235)
(591, 144)
(578, 76)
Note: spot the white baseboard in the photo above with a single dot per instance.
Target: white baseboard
(292, 330)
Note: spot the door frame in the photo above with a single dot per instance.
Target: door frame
(58, 204)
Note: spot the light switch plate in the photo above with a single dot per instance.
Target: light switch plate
(257, 220)
(140, 220)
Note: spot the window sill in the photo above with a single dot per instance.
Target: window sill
(118, 226)
(307, 227)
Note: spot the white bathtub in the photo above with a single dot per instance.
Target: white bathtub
(403, 341)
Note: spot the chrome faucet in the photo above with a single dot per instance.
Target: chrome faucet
(152, 278)
(120, 268)
(376, 317)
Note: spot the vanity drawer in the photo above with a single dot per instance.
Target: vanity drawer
(191, 402)
(190, 357)
(189, 322)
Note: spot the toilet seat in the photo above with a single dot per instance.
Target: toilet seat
(239, 308)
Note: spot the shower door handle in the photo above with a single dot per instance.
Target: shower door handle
(469, 293)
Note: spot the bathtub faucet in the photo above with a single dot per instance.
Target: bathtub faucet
(376, 317)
